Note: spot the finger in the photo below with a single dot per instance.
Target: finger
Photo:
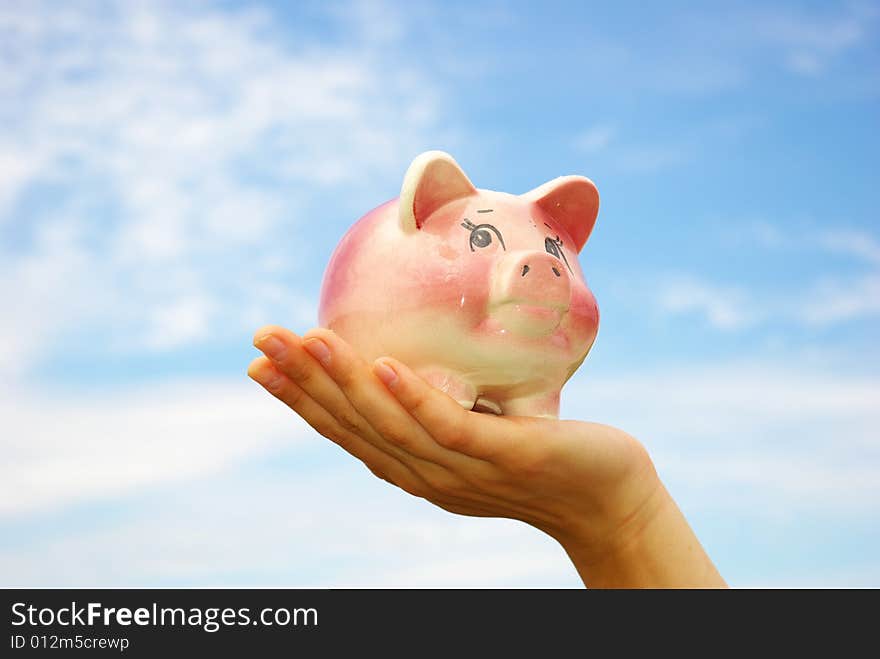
(285, 350)
(426, 480)
(376, 404)
(480, 436)
(385, 466)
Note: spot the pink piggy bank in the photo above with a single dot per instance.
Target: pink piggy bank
(480, 292)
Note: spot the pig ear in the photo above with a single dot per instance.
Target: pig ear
(432, 180)
(573, 201)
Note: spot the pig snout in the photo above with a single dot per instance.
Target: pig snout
(532, 278)
(531, 292)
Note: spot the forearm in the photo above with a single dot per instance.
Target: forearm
(656, 549)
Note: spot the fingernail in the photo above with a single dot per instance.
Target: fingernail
(268, 378)
(272, 347)
(318, 349)
(385, 373)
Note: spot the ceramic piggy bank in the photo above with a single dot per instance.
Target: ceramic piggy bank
(480, 292)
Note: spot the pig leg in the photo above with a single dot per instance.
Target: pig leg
(544, 405)
(451, 384)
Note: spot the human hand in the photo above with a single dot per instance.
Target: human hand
(591, 487)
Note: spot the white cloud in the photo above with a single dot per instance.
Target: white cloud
(60, 450)
(803, 236)
(627, 151)
(816, 32)
(766, 442)
(50, 285)
(744, 434)
(520, 557)
(723, 308)
(723, 49)
(824, 297)
(187, 461)
(764, 233)
(336, 526)
(838, 300)
(180, 322)
(175, 139)
(860, 244)
(805, 63)
(629, 157)
(596, 138)
(865, 575)
(812, 44)
(650, 158)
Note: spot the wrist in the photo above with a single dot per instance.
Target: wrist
(596, 539)
(652, 547)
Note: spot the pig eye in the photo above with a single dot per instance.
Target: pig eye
(481, 238)
(554, 247)
(481, 235)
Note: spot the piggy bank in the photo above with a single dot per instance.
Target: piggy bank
(479, 292)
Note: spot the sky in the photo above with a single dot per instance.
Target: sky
(175, 175)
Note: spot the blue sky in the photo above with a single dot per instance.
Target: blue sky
(174, 175)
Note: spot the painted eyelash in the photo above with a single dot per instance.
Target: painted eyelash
(558, 242)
